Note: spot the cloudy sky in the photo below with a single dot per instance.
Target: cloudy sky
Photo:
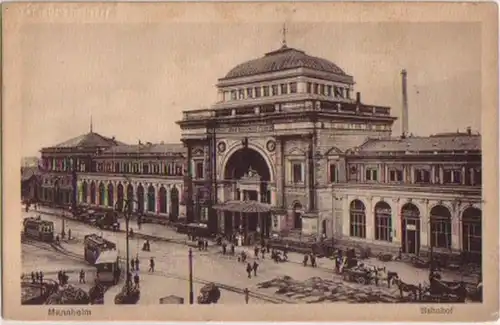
(136, 79)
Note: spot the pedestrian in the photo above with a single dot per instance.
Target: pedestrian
(200, 244)
(268, 247)
(247, 294)
(306, 258)
(249, 270)
(206, 244)
(69, 234)
(129, 279)
(37, 276)
(285, 252)
(376, 276)
(57, 239)
(243, 256)
(254, 267)
(263, 252)
(137, 263)
(82, 276)
(32, 277)
(224, 247)
(151, 265)
(232, 248)
(256, 251)
(136, 280)
(132, 264)
(41, 277)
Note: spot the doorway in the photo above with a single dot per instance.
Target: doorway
(410, 229)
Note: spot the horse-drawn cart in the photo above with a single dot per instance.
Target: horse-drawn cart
(361, 276)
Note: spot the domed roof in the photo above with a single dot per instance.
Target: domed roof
(283, 59)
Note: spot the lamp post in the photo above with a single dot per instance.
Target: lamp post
(127, 207)
(191, 294)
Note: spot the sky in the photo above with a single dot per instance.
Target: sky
(135, 79)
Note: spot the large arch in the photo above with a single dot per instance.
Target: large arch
(410, 228)
(440, 220)
(151, 198)
(383, 221)
(84, 191)
(244, 159)
(357, 219)
(111, 193)
(174, 203)
(120, 196)
(140, 198)
(237, 148)
(92, 193)
(472, 233)
(162, 197)
(102, 193)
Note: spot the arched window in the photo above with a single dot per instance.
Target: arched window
(102, 193)
(357, 219)
(174, 203)
(84, 192)
(140, 199)
(440, 219)
(130, 197)
(151, 198)
(472, 233)
(110, 195)
(410, 228)
(92, 192)
(383, 222)
(120, 197)
(163, 200)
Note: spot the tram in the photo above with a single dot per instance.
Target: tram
(94, 245)
(39, 229)
(108, 267)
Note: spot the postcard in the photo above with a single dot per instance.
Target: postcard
(227, 157)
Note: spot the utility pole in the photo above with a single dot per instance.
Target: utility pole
(191, 294)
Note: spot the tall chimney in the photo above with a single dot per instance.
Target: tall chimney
(404, 116)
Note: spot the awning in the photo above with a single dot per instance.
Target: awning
(244, 207)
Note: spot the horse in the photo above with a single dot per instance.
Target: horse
(406, 287)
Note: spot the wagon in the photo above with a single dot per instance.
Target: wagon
(358, 275)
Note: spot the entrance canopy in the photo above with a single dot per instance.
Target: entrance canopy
(244, 207)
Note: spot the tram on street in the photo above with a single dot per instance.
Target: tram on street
(94, 246)
(39, 229)
(108, 267)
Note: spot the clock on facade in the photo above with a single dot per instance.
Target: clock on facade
(271, 145)
(221, 147)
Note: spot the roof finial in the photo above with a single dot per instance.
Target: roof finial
(284, 30)
(91, 131)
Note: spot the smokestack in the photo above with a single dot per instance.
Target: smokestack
(404, 115)
(358, 98)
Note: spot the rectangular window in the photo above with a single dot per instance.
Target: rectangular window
(266, 91)
(199, 170)
(395, 175)
(371, 174)
(241, 94)
(293, 88)
(329, 91)
(274, 90)
(339, 92)
(322, 89)
(234, 94)
(257, 92)
(457, 177)
(316, 88)
(477, 176)
(284, 89)
(333, 173)
(422, 176)
(297, 172)
(452, 176)
(249, 93)
(309, 88)
(145, 169)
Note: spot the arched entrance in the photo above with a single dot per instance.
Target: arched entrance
(410, 229)
(357, 219)
(111, 202)
(120, 197)
(472, 234)
(84, 192)
(440, 219)
(151, 198)
(163, 199)
(92, 193)
(102, 193)
(297, 216)
(174, 203)
(383, 221)
(140, 198)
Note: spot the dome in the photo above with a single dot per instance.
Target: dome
(283, 59)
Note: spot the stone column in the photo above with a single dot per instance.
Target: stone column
(441, 175)
(167, 189)
(425, 227)
(396, 222)
(105, 194)
(345, 216)
(433, 174)
(115, 192)
(463, 175)
(369, 220)
(259, 197)
(157, 198)
(456, 243)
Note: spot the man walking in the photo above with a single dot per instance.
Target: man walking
(151, 265)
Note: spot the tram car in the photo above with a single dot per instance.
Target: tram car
(94, 245)
(42, 230)
(108, 220)
(108, 267)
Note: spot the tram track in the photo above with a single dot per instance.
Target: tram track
(62, 251)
